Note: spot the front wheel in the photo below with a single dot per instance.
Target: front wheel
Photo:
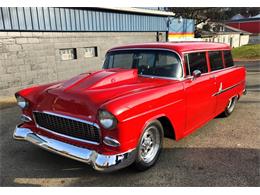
(150, 146)
(230, 107)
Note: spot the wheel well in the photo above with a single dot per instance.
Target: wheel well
(167, 127)
(238, 96)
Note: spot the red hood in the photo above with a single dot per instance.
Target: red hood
(85, 93)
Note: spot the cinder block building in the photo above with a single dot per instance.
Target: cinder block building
(41, 45)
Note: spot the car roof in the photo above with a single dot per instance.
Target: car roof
(178, 46)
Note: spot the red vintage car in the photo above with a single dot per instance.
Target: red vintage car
(119, 116)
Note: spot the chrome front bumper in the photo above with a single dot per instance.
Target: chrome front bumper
(98, 161)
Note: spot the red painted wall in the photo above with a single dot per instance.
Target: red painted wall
(249, 26)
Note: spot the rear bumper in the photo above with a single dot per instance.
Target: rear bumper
(98, 161)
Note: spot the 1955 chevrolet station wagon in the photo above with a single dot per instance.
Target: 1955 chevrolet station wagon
(118, 116)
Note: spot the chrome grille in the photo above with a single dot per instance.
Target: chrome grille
(67, 126)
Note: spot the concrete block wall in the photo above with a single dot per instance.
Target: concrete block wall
(31, 58)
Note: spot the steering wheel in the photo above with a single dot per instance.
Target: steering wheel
(143, 68)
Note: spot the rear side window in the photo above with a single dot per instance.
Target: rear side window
(228, 58)
(196, 61)
(215, 58)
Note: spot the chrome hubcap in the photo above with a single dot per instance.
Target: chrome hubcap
(231, 104)
(149, 144)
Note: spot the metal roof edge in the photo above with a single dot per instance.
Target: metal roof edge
(140, 10)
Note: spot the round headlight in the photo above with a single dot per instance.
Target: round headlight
(22, 103)
(106, 119)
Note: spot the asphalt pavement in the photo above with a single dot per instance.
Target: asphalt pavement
(225, 152)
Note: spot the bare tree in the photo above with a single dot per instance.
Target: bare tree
(219, 14)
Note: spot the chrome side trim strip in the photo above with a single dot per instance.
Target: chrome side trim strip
(226, 89)
(67, 136)
(99, 162)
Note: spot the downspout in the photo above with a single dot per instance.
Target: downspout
(168, 22)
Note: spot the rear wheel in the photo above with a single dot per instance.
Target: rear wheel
(150, 146)
(230, 107)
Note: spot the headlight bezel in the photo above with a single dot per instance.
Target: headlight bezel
(22, 102)
(105, 117)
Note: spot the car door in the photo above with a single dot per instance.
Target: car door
(227, 79)
(200, 102)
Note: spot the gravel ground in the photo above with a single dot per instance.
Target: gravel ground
(225, 152)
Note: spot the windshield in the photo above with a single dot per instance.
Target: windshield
(148, 62)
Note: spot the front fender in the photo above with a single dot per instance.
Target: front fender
(135, 111)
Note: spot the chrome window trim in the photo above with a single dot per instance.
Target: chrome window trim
(188, 62)
(158, 49)
(209, 72)
(159, 77)
(195, 51)
(71, 118)
(215, 71)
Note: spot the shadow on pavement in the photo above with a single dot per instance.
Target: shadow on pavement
(176, 167)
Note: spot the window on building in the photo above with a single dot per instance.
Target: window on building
(228, 58)
(68, 54)
(196, 61)
(90, 52)
(216, 62)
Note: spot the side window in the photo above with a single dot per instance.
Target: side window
(228, 58)
(196, 61)
(215, 59)
(167, 64)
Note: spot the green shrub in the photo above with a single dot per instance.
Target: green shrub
(247, 52)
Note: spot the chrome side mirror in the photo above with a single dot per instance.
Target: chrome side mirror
(196, 74)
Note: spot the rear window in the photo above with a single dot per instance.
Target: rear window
(228, 58)
(215, 58)
(196, 61)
